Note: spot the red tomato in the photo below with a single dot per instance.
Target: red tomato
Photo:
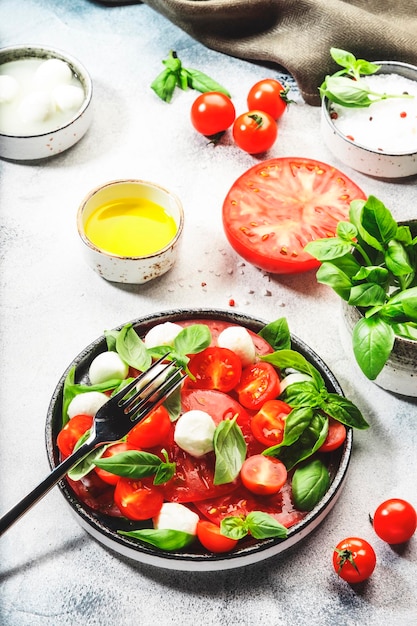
(255, 131)
(211, 538)
(278, 206)
(270, 96)
(336, 436)
(152, 431)
(263, 475)
(215, 368)
(354, 559)
(259, 382)
(72, 431)
(108, 477)
(395, 521)
(138, 499)
(268, 424)
(212, 113)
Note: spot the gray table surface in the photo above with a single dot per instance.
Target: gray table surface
(52, 305)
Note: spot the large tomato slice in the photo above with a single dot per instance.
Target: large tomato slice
(275, 208)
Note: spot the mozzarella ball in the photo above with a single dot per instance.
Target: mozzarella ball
(51, 73)
(238, 339)
(8, 88)
(87, 403)
(162, 335)
(68, 97)
(36, 107)
(194, 432)
(296, 377)
(106, 366)
(175, 516)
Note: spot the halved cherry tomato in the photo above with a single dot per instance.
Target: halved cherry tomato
(72, 431)
(395, 521)
(336, 435)
(270, 96)
(278, 206)
(354, 559)
(152, 431)
(263, 475)
(268, 424)
(211, 538)
(259, 382)
(255, 131)
(138, 499)
(212, 113)
(215, 368)
(117, 448)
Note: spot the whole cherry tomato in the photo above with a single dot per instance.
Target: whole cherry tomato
(212, 113)
(270, 96)
(255, 131)
(211, 538)
(354, 559)
(395, 521)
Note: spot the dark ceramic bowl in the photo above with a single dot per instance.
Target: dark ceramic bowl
(104, 528)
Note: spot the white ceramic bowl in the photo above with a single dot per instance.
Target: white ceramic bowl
(47, 143)
(130, 269)
(364, 159)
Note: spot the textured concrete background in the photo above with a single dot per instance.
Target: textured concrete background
(52, 305)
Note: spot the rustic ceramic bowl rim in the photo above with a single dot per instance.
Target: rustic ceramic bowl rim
(131, 181)
(47, 52)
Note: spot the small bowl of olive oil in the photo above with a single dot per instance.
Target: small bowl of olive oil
(130, 230)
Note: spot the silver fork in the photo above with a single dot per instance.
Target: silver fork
(111, 422)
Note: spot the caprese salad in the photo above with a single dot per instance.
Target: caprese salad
(243, 449)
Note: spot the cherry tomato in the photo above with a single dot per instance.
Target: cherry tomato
(152, 431)
(212, 113)
(354, 559)
(138, 499)
(215, 368)
(297, 200)
(105, 475)
(270, 96)
(72, 431)
(336, 436)
(268, 424)
(259, 382)
(263, 475)
(255, 131)
(395, 521)
(211, 538)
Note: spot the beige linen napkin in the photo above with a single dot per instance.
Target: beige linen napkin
(297, 34)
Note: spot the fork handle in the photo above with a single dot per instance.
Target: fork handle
(46, 485)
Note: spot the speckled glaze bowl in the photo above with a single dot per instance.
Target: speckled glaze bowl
(47, 144)
(362, 158)
(195, 558)
(127, 269)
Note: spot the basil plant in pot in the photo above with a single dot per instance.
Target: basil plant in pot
(372, 265)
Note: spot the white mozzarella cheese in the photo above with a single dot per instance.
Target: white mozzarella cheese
(175, 516)
(296, 377)
(87, 403)
(194, 432)
(162, 335)
(9, 88)
(52, 72)
(106, 366)
(68, 97)
(37, 106)
(238, 339)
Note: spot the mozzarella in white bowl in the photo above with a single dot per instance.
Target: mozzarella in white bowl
(238, 339)
(194, 432)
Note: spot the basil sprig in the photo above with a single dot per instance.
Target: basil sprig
(346, 87)
(163, 538)
(309, 484)
(259, 524)
(176, 75)
(230, 451)
(277, 334)
(136, 464)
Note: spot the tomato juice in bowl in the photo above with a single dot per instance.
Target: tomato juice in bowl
(106, 528)
(276, 207)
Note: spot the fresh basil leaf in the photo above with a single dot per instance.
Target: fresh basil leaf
(344, 411)
(164, 85)
(133, 464)
(336, 278)
(378, 223)
(132, 349)
(234, 527)
(296, 422)
(164, 473)
(192, 339)
(291, 359)
(72, 389)
(307, 443)
(328, 248)
(230, 451)
(346, 231)
(263, 526)
(85, 465)
(373, 340)
(343, 57)
(277, 334)
(203, 83)
(396, 259)
(302, 394)
(347, 92)
(366, 294)
(309, 484)
(163, 538)
(372, 274)
(111, 336)
(173, 404)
